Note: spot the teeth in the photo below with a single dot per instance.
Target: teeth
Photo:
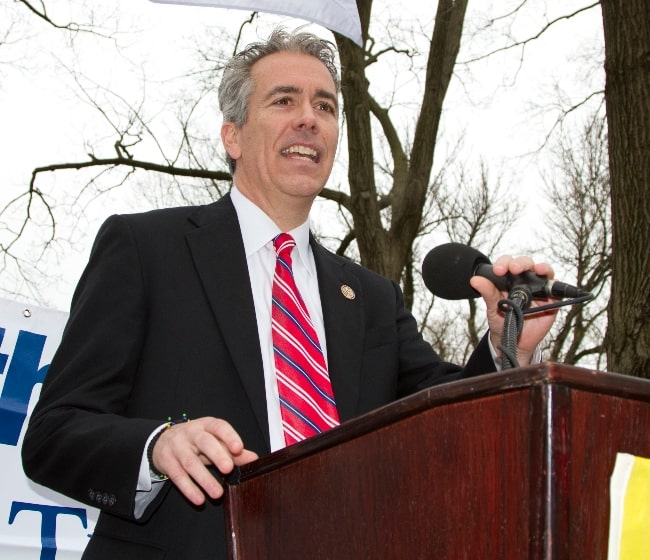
(302, 150)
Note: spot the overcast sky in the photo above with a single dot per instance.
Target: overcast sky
(492, 103)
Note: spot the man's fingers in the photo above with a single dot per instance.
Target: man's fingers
(517, 265)
(245, 457)
(220, 443)
(183, 451)
(194, 481)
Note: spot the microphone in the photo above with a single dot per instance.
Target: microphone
(446, 271)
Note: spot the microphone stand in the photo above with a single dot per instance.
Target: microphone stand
(518, 300)
(515, 307)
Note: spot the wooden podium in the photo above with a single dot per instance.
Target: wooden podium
(511, 465)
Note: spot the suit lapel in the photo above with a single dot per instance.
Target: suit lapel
(218, 251)
(343, 318)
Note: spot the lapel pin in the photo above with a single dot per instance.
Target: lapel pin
(347, 292)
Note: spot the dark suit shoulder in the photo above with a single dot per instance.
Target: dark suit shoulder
(197, 214)
(159, 227)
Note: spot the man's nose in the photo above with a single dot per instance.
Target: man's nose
(306, 117)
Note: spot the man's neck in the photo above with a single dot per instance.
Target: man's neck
(287, 213)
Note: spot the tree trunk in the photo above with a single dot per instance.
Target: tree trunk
(627, 94)
(388, 250)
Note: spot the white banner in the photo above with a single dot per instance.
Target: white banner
(35, 522)
(341, 16)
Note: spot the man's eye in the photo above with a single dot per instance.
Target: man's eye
(283, 101)
(327, 107)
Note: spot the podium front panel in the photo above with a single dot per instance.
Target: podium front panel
(512, 465)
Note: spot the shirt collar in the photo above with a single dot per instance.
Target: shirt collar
(258, 229)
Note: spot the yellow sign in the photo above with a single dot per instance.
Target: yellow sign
(629, 530)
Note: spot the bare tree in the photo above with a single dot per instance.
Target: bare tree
(475, 211)
(388, 249)
(627, 51)
(579, 237)
(391, 195)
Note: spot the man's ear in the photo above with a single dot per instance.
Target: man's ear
(230, 139)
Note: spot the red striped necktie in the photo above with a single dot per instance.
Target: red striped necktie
(306, 397)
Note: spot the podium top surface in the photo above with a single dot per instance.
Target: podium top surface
(544, 374)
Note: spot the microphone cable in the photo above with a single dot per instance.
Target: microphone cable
(515, 307)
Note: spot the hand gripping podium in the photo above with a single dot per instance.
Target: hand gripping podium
(510, 465)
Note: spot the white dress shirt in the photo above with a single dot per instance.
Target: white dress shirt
(258, 232)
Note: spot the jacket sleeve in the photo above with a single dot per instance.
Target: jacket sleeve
(421, 366)
(79, 441)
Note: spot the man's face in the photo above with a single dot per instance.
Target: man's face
(288, 144)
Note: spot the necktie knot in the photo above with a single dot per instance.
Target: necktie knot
(283, 245)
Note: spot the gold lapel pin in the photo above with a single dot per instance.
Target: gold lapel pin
(347, 292)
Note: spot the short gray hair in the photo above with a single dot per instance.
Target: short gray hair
(237, 86)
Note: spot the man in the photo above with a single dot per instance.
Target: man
(172, 318)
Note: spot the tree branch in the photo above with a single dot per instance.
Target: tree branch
(42, 14)
(135, 164)
(532, 38)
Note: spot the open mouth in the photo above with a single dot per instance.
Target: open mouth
(302, 152)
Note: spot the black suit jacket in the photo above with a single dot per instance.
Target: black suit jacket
(162, 323)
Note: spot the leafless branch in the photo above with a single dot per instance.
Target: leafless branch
(133, 163)
(532, 38)
(566, 112)
(41, 12)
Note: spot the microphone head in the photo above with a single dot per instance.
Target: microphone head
(446, 270)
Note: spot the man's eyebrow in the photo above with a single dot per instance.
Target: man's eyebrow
(328, 95)
(282, 89)
(294, 89)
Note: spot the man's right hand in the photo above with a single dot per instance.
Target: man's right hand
(183, 451)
